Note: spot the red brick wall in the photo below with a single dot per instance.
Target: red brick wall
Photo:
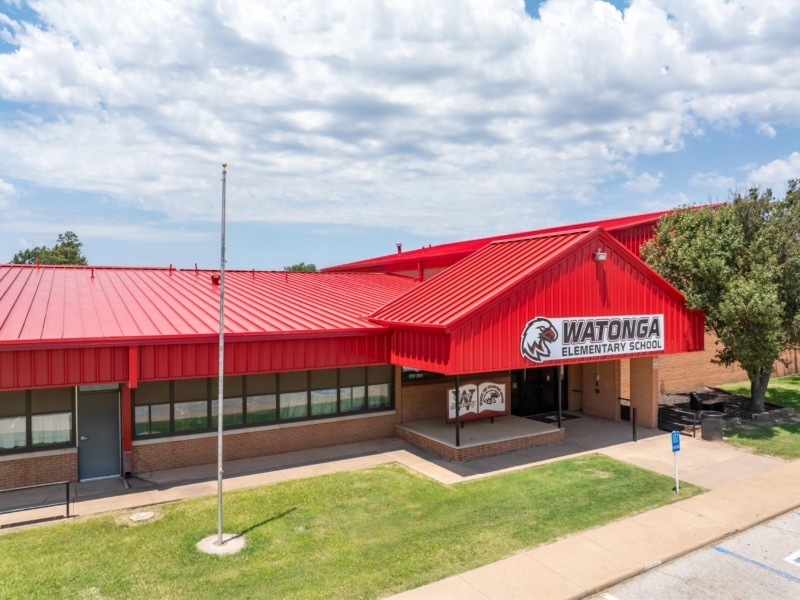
(466, 453)
(35, 469)
(681, 372)
(198, 450)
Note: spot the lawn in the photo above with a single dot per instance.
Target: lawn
(357, 534)
(772, 438)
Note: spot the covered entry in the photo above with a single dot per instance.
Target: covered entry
(99, 439)
(536, 391)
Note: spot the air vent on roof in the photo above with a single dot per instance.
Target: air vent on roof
(215, 278)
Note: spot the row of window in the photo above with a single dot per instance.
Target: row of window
(45, 419)
(191, 405)
(37, 419)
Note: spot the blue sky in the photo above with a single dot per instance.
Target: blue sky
(349, 127)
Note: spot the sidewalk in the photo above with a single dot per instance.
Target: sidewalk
(744, 490)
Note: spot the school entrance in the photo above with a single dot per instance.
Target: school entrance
(536, 391)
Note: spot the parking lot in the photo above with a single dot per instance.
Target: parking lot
(761, 563)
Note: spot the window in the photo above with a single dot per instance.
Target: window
(379, 383)
(353, 389)
(151, 408)
(37, 419)
(294, 394)
(261, 398)
(189, 406)
(13, 420)
(233, 402)
(323, 392)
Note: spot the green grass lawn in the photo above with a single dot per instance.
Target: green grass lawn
(772, 438)
(355, 534)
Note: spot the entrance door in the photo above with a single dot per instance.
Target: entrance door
(98, 435)
(537, 391)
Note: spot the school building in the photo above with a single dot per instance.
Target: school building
(106, 371)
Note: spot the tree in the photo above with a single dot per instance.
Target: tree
(66, 251)
(310, 267)
(740, 264)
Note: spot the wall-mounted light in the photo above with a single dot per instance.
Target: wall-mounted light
(600, 256)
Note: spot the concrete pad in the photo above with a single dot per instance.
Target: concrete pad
(521, 577)
(587, 564)
(231, 544)
(446, 589)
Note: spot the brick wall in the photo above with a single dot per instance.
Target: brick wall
(188, 451)
(602, 400)
(428, 400)
(467, 453)
(681, 372)
(38, 468)
(644, 390)
(575, 390)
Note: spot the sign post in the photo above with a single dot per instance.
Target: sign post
(676, 446)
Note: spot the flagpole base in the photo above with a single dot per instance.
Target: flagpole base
(231, 544)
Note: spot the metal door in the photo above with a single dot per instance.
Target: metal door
(98, 435)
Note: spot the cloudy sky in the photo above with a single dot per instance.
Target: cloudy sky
(349, 126)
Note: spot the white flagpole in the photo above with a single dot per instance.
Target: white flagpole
(221, 360)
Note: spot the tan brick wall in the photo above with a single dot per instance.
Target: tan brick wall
(644, 390)
(575, 390)
(428, 400)
(198, 450)
(35, 469)
(602, 400)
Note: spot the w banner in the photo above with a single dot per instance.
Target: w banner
(477, 402)
(545, 339)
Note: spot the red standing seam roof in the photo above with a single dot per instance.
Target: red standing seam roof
(475, 281)
(443, 255)
(117, 304)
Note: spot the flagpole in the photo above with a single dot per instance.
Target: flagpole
(221, 360)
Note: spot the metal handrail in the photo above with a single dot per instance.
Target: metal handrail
(65, 502)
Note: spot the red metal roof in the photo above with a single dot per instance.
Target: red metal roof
(476, 280)
(108, 305)
(445, 255)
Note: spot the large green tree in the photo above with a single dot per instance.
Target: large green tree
(740, 264)
(66, 251)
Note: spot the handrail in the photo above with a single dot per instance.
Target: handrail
(65, 502)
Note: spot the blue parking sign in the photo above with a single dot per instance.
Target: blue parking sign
(676, 441)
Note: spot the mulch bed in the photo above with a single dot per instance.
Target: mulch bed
(737, 408)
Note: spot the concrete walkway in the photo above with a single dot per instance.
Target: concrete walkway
(744, 490)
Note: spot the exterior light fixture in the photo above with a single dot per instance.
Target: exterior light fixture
(600, 256)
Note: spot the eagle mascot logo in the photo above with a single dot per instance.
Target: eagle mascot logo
(536, 339)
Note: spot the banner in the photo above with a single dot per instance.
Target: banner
(545, 339)
(477, 402)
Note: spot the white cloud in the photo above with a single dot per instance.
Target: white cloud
(426, 115)
(766, 129)
(714, 180)
(775, 174)
(7, 192)
(644, 182)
